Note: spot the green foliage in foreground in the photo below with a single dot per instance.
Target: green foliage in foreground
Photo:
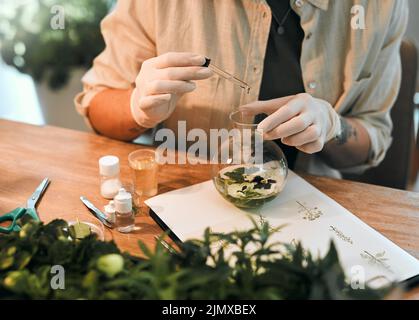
(98, 270)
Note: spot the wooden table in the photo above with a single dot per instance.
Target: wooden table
(70, 159)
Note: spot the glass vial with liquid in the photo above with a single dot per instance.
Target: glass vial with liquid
(125, 219)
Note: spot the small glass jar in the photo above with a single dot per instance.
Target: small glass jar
(110, 182)
(144, 167)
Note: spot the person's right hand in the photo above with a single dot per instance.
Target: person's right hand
(161, 82)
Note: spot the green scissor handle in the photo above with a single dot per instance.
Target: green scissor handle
(12, 216)
(18, 213)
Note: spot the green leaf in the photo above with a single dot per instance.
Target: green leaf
(6, 262)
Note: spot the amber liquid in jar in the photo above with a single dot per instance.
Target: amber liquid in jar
(144, 170)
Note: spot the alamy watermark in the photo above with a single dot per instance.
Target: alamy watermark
(57, 21)
(357, 277)
(222, 146)
(58, 277)
(358, 17)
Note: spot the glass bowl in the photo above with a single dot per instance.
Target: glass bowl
(247, 170)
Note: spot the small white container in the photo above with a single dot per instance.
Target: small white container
(110, 211)
(110, 182)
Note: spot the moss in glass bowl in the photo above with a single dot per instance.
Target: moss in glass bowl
(250, 186)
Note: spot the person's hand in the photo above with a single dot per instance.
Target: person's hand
(301, 121)
(161, 82)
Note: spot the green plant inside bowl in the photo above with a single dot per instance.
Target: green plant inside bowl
(250, 186)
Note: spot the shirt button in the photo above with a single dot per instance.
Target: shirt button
(299, 3)
(312, 85)
(308, 36)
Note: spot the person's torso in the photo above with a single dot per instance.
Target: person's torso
(336, 60)
(282, 74)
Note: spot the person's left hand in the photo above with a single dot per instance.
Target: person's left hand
(302, 121)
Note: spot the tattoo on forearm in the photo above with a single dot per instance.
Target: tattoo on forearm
(347, 132)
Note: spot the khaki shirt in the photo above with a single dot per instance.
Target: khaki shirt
(356, 70)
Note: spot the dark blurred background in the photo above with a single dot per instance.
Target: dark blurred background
(42, 60)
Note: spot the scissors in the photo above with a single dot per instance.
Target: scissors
(30, 210)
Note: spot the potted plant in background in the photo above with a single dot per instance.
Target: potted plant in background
(56, 56)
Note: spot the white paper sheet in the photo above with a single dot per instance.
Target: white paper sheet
(309, 215)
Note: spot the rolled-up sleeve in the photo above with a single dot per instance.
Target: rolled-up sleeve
(129, 37)
(374, 105)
